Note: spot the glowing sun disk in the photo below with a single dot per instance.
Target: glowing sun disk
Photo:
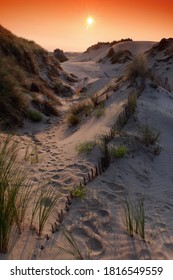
(90, 20)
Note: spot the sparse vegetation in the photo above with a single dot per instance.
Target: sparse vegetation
(138, 68)
(16, 196)
(139, 216)
(100, 111)
(85, 147)
(48, 107)
(132, 102)
(31, 154)
(95, 100)
(73, 119)
(74, 249)
(149, 135)
(62, 89)
(45, 200)
(12, 101)
(89, 110)
(15, 192)
(79, 192)
(78, 108)
(128, 212)
(135, 216)
(34, 115)
(74, 111)
(118, 152)
(119, 56)
(103, 145)
(21, 65)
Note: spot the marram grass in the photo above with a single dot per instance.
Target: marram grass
(15, 192)
(16, 196)
(85, 147)
(45, 200)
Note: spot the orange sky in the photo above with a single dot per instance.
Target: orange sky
(62, 24)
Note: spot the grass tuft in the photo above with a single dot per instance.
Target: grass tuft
(78, 108)
(74, 249)
(45, 200)
(34, 115)
(73, 119)
(100, 111)
(132, 102)
(85, 147)
(135, 216)
(149, 135)
(31, 154)
(128, 212)
(118, 152)
(74, 111)
(138, 68)
(139, 216)
(12, 101)
(79, 192)
(15, 192)
(95, 100)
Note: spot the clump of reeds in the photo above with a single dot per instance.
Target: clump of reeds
(149, 135)
(106, 157)
(12, 101)
(138, 68)
(95, 100)
(100, 111)
(132, 102)
(85, 147)
(31, 154)
(139, 216)
(74, 248)
(15, 192)
(128, 212)
(34, 115)
(74, 111)
(77, 108)
(73, 119)
(45, 200)
(118, 152)
(135, 216)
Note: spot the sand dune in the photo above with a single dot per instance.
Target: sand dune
(97, 221)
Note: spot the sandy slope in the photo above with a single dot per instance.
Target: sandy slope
(97, 221)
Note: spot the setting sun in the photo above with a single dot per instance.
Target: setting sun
(90, 20)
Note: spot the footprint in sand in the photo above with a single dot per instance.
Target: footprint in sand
(68, 181)
(55, 177)
(53, 159)
(92, 243)
(75, 165)
(95, 245)
(55, 183)
(103, 213)
(91, 227)
(80, 231)
(59, 170)
(54, 170)
(41, 170)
